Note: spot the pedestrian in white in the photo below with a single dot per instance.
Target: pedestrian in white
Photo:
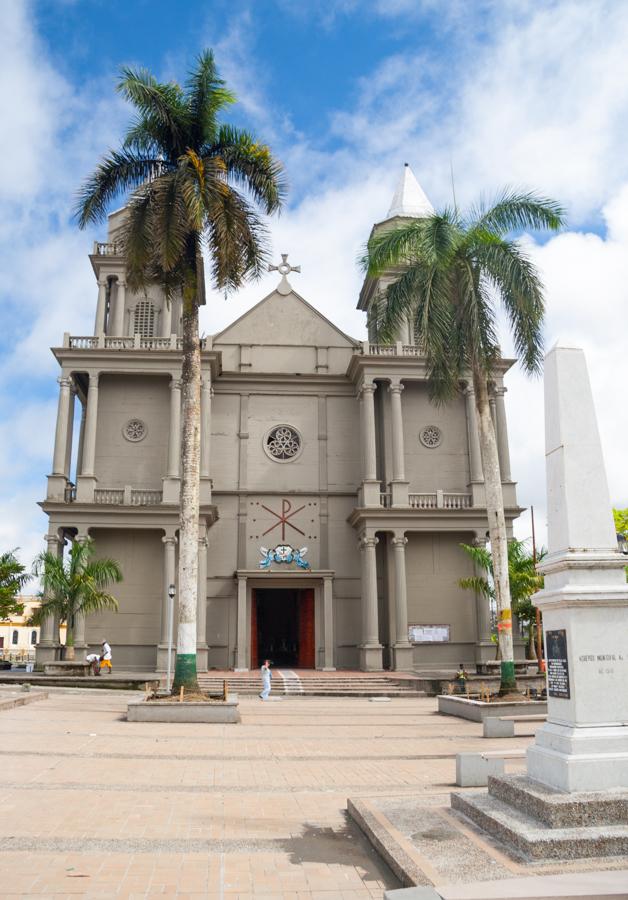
(105, 657)
(266, 679)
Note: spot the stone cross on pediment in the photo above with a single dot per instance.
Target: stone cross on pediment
(284, 268)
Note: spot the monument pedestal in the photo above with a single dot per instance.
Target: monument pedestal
(541, 823)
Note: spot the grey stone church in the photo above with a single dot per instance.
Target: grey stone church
(334, 495)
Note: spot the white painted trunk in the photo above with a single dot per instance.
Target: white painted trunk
(190, 474)
(495, 514)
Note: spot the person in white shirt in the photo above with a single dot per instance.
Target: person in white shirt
(266, 677)
(105, 657)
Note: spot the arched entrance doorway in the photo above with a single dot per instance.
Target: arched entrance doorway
(282, 627)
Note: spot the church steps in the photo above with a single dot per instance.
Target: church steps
(330, 685)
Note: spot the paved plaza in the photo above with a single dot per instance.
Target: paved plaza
(93, 806)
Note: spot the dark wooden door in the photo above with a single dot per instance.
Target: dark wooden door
(306, 629)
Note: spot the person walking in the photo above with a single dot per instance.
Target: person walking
(105, 657)
(266, 680)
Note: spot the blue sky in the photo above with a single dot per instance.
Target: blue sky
(532, 94)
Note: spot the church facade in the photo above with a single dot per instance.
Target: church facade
(334, 495)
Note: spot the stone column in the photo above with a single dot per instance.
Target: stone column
(61, 432)
(46, 650)
(169, 541)
(328, 617)
(241, 660)
(101, 307)
(206, 412)
(174, 439)
(402, 646)
(370, 649)
(80, 645)
(118, 324)
(475, 459)
(484, 647)
(370, 484)
(81, 441)
(87, 479)
(399, 486)
(166, 319)
(502, 434)
(201, 607)
(67, 466)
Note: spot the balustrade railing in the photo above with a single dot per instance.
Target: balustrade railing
(105, 249)
(145, 497)
(396, 349)
(422, 501)
(440, 500)
(109, 496)
(126, 342)
(385, 500)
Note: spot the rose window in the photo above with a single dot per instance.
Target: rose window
(135, 430)
(283, 443)
(430, 436)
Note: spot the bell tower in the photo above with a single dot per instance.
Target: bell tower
(409, 202)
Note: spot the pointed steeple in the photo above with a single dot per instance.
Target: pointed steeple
(409, 200)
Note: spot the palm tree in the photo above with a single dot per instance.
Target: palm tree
(193, 183)
(523, 578)
(455, 270)
(76, 585)
(13, 577)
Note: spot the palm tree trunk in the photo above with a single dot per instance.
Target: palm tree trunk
(185, 669)
(497, 531)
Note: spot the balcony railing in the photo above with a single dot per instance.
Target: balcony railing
(440, 500)
(127, 496)
(106, 249)
(397, 349)
(129, 342)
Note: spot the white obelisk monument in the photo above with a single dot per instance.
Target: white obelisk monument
(584, 744)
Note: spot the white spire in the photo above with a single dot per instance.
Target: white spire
(409, 199)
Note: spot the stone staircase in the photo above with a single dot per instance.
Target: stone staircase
(290, 682)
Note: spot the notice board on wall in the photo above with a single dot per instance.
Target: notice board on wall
(428, 634)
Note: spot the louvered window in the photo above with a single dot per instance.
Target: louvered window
(144, 320)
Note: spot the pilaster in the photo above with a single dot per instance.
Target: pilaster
(241, 657)
(370, 649)
(172, 482)
(201, 607)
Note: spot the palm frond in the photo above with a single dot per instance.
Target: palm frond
(515, 211)
(206, 95)
(251, 166)
(163, 103)
(118, 172)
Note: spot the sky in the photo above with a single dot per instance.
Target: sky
(532, 95)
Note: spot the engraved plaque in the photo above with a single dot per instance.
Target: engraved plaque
(557, 664)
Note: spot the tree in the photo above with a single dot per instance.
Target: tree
(193, 183)
(13, 577)
(621, 525)
(76, 585)
(455, 270)
(523, 578)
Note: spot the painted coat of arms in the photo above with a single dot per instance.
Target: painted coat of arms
(283, 553)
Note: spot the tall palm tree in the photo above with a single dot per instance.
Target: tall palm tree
(194, 183)
(76, 585)
(455, 271)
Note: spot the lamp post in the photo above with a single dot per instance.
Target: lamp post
(171, 593)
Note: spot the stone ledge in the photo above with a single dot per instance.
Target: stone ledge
(477, 710)
(557, 809)
(534, 840)
(221, 712)
(393, 848)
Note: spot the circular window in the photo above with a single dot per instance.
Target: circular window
(431, 436)
(283, 443)
(135, 430)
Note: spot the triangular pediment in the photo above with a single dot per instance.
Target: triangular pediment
(284, 319)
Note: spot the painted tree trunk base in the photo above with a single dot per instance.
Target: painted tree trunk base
(185, 673)
(508, 682)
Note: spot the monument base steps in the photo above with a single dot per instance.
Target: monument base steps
(539, 823)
